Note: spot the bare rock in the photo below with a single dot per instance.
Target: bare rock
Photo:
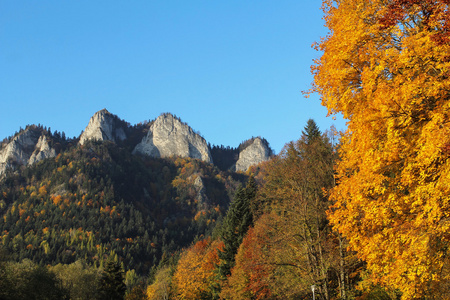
(168, 136)
(42, 151)
(26, 148)
(255, 153)
(103, 126)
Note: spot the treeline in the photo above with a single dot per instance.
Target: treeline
(55, 137)
(28, 280)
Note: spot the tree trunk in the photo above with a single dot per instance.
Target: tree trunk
(342, 284)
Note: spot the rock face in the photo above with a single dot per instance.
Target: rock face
(42, 151)
(254, 154)
(168, 136)
(103, 126)
(28, 147)
(202, 198)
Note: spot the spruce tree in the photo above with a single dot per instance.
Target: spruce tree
(312, 131)
(112, 282)
(236, 223)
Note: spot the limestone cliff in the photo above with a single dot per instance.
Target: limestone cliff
(104, 126)
(256, 152)
(41, 151)
(26, 148)
(168, 136)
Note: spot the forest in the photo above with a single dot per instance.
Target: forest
(360, 214)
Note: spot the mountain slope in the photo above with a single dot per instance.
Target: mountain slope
(97, 200)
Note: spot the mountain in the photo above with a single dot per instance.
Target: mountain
(132, 192)
(29, 146)
(168, 136)
(104, 126)
(99, 200)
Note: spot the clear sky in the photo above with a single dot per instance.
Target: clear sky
(230, 69)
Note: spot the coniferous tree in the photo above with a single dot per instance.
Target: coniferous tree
(311, 131)
(112, 282)
(236, 223)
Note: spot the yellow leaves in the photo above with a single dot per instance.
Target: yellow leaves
(43, 190)
(392, 84)
(160, 288)
(56, 199)
(195, 270)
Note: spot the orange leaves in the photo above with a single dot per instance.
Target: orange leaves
(56, 199)
(384, 69)
(43, 190)
(437, 16)
(250, 277)
(195, 271)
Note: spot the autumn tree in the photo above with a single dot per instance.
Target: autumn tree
(195, 272)
(252, 274)
(160, 289)
(385, 68)
(294, 189)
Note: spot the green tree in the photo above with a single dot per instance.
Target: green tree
(26, 280)
(112, 281)
(311, 131)
(235, 225)
(80, 280)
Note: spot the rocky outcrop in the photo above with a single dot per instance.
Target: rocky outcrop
(42, 151)
(256, 152)
(168, 136)
(104, 126)
(26, 148)
(202, 198)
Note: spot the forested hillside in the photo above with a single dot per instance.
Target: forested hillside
(97, 222)
(98, 200)
(361, 214)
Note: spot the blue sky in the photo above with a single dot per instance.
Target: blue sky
(230, 69)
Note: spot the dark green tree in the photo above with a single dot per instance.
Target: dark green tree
(112, 282)
(312, 131)
(235, 225)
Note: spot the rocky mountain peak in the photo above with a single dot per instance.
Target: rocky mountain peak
(254, 153)
(104, 126)
(168, 136)
(26, 148)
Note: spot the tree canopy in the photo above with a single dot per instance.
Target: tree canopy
(385, 67)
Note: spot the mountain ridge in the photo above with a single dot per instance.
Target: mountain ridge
(165, 136)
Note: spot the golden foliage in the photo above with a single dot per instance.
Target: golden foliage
(391, 83)
(160, 288)
(195, 270)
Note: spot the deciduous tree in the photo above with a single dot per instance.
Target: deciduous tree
(385, 67)
(195, 271)
(294, 190)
